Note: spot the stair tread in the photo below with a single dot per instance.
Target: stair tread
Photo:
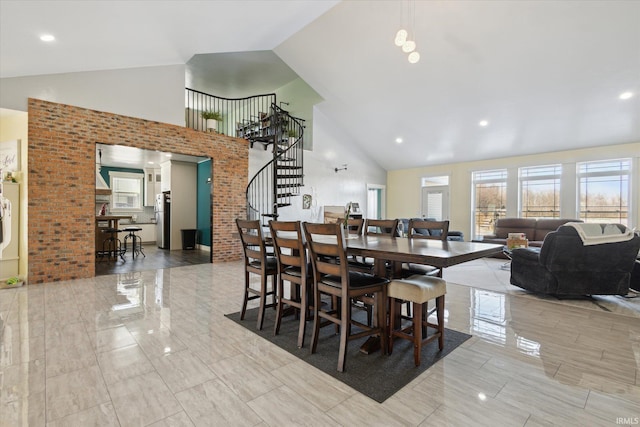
(289, 167)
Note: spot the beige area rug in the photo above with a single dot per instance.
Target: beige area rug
(493, 274)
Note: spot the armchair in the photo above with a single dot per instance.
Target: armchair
(565, 266)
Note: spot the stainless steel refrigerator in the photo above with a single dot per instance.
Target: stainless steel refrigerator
(163, 219)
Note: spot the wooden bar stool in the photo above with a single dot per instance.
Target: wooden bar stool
(419, 290)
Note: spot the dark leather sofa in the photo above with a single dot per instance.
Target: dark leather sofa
(452, 236)
(563, 266)
(534, 229)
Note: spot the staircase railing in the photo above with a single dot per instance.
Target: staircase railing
(277, 182)
(235, 112)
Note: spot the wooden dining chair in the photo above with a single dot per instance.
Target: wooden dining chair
(354, 225)
(292, 267)
(256, 261)
(385, 227)
(425, 229)
(325, 241)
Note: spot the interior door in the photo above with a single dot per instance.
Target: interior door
(435, 202)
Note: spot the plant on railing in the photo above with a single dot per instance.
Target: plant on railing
(212, 118)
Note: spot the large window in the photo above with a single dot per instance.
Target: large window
(490, 194)
(540, 191)
(126, 191)
(603, 190)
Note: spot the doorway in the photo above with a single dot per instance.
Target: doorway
(376, 201)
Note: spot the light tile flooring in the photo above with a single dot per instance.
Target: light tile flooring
(154, 348)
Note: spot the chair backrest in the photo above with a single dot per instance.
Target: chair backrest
(326, 244)
(252, 241)
(388, 227)
(289, 245)
(426, 229)
(355, 225)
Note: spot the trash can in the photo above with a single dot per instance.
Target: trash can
(188, 239)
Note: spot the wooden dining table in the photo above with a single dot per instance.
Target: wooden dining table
(398, 250)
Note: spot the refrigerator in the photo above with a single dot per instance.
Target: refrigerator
(163, 219)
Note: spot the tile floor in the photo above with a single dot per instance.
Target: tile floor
(154, 348)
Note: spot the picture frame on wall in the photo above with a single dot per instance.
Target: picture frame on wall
(10, 156)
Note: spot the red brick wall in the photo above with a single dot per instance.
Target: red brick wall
(61, 174)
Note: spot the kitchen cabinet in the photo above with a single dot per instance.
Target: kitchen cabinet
(165, 177)
(148, 233)
(153, 186)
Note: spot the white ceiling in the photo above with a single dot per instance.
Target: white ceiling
(546, 75)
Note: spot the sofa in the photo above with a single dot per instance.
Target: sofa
(534, 229)
(564, 266)
(452, 236)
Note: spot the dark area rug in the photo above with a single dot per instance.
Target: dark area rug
(375, 375)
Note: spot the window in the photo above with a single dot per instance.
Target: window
(540, 191)
(126, 191)
(490, 199)
(603, 190)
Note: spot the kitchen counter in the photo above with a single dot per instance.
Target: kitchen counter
(111, 222)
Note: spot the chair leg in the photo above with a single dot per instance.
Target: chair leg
(440, 314)
(303, 315)
(316, 319)
(392, 322)
(263, 301)
(279, 309)
(246, 295)
(345, 329)
(417, 332)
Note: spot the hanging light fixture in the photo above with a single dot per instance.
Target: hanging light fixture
(402, 39)
(414, 57)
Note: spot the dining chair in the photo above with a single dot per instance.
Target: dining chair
(326, 241)
(425, 229)
(354, 225)
(382, 227)
(257, 261)
(292, 267)
(386, 227)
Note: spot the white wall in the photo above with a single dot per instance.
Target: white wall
(301, 98)
(332, 149)
(13, 126)
(404, 186)
(152, 93)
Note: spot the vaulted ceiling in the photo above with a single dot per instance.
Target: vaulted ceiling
(544, 75)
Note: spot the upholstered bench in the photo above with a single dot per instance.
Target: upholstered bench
(419, 290)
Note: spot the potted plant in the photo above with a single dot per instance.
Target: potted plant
(211, 118)
(292, 136)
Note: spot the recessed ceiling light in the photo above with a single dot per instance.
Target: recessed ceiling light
(483, 123)
(626, 95)
(398, 140)
(47, 38)
(150, 163)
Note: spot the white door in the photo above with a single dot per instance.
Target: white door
(435, 202)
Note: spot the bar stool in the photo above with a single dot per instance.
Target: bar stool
(112, 246)
(418, 289)
(136, 242)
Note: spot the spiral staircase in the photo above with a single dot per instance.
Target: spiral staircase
(259, 120)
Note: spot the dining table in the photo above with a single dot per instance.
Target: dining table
(398, 250)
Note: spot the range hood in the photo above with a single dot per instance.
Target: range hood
(100, 183)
